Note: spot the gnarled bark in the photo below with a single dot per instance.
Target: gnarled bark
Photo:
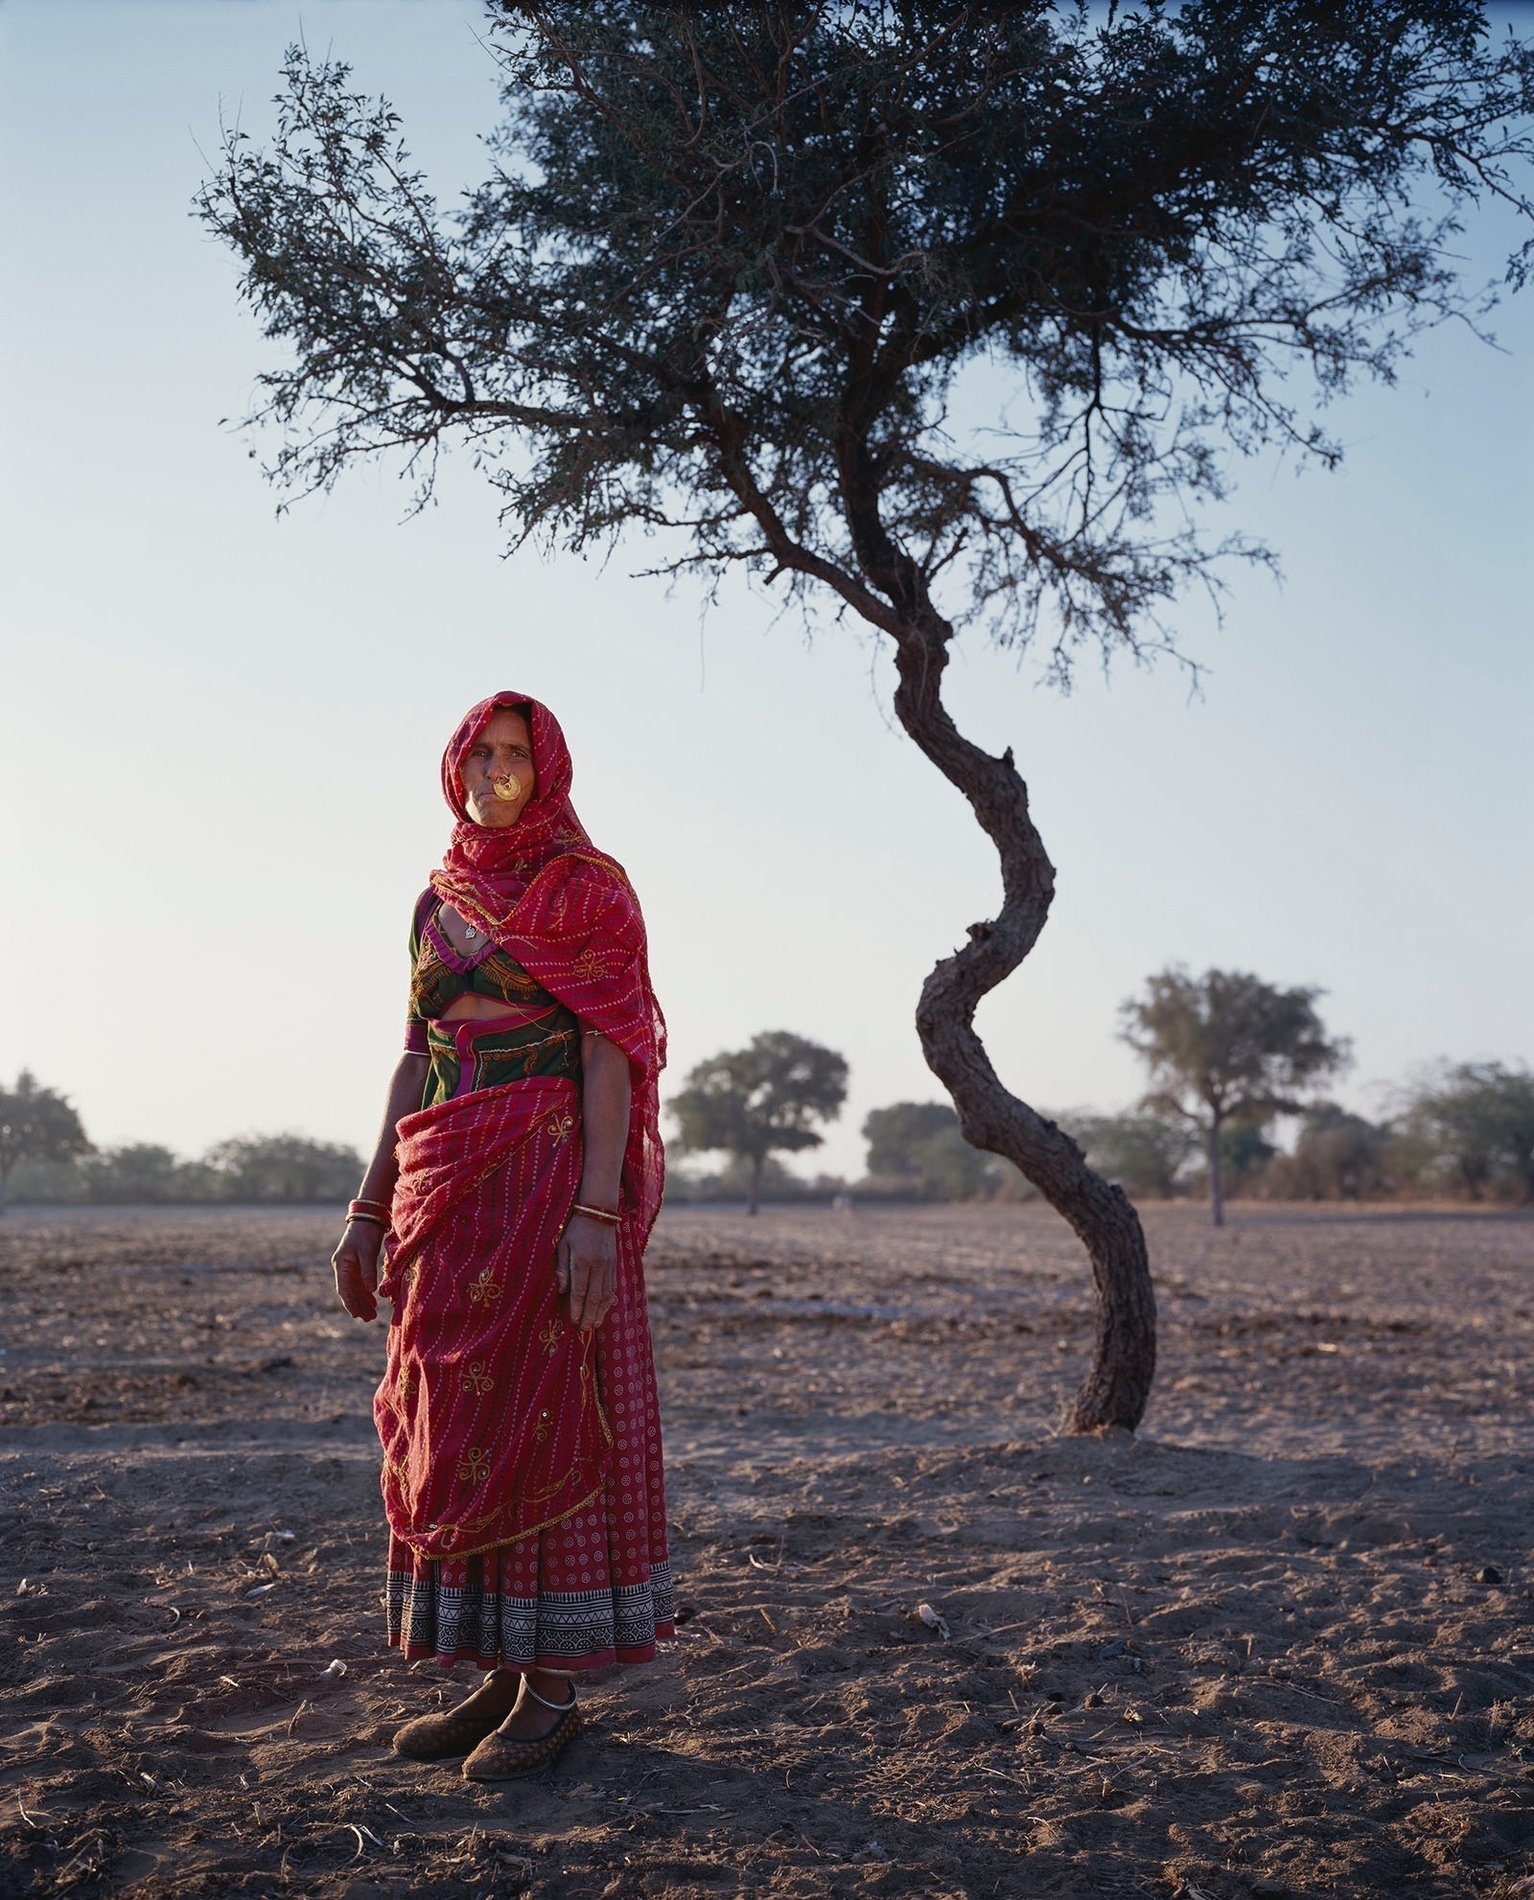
(1118, 1383)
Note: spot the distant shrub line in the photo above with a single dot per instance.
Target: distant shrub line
(279, 1169)
(1229, 1057)
(1464, 1133)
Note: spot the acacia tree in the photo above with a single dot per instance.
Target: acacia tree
(760, 1100)
(1225, 1049)
(727, 270)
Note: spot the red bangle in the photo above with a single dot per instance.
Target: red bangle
(375, 1211)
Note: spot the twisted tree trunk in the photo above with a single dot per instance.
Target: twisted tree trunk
(1118, 1383)
(899, 603)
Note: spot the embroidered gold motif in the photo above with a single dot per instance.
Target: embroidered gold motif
(401, 1468)
(542, 1428)
(476, 1379)
(408, 1381)
(550, 1337)
(473, 1466)
(560, 1128)
(484, 1288)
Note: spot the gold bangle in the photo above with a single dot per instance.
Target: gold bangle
(370, 1220)
(608, 1214)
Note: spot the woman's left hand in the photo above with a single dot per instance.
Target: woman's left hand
(586, 1267)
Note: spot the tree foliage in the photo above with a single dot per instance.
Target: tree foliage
(1338, 1156)
(895, 1134)
(146, 1172)
(731, 260)
(36, 1124)
(1143, 1153)
(919, 1147)
(1227, 1051)
(760, 1100)
(284, 1167)
(1475, 1121)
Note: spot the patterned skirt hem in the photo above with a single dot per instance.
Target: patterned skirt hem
(500, 1628)
(560, 1665)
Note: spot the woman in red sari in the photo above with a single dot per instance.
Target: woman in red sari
(515, 1182)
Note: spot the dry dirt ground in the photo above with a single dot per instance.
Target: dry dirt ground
(1278, 1644)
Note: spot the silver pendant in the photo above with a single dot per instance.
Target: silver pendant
(471, 930)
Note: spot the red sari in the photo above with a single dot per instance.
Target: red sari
(522, 1473)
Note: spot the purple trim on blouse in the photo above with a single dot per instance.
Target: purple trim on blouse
(447, 954)
(416, 1042)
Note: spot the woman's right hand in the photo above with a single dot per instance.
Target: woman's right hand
(356, 1265)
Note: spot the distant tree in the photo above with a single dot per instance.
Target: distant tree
(1142, 1153)
(1245, 1150)
(1338, 1156)
(760, 1100)
(893, 1135)
(729, 271)
(36, 1124)
(146, 1172)
(50, 1183)
(1226, 1049)
(920, 1145)
(949, 1168)
(1477, 1120)
(283, 1168)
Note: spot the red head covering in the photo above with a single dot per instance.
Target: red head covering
(491, 868)
(541, 890)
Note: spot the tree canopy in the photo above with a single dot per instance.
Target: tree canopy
(918, 1145)
(1143, 1152)
(760, 1100)
(1337, 1156)
(1225, 1050)
(730, 268)
(284, 1167)
(730, 261)
(1477, 1118)
(36, 1124)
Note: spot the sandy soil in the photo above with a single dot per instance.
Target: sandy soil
(1279, 1643)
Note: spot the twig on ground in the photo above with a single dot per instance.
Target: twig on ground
(1310, 1694)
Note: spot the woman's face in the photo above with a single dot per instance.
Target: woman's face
(497, 776)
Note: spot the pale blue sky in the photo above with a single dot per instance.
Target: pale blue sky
(219, 731)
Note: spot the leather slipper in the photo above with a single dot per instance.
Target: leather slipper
(441, 1737)
(503, 1757)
